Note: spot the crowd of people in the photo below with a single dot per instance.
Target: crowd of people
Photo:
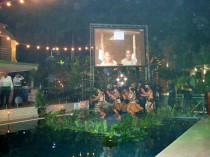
(138, 97)
(142, 98)
(133, 99)
(187, 90)
(15, 87)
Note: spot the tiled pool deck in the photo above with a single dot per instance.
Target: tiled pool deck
(195, 142)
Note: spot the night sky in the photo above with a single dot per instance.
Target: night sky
(180, 26)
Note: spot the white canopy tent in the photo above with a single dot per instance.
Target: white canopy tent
(16, 66)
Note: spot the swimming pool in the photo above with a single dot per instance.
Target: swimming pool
(39, 141)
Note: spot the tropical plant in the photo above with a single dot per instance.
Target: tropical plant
(40, 103)
(40, 99)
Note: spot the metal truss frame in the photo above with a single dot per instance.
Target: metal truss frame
(94, 26)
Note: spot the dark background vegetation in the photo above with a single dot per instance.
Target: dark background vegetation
(179, 27)
(178, 30)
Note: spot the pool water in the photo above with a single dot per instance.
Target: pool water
(43, 142)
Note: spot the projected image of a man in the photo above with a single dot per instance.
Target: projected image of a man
(130, 58)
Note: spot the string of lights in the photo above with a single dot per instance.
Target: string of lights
(49, 48)
(56, 48)
(9, 3)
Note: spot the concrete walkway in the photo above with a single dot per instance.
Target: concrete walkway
(195, 142)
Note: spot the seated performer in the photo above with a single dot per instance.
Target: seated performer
(133, 107)
(101, 103)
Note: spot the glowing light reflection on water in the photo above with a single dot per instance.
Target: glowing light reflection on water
(42, 141)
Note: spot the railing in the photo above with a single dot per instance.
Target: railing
(198, 102)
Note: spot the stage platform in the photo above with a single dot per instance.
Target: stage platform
(195, 142)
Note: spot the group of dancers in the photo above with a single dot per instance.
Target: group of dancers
(133, 99)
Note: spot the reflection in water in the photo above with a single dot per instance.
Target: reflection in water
(44, 142)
